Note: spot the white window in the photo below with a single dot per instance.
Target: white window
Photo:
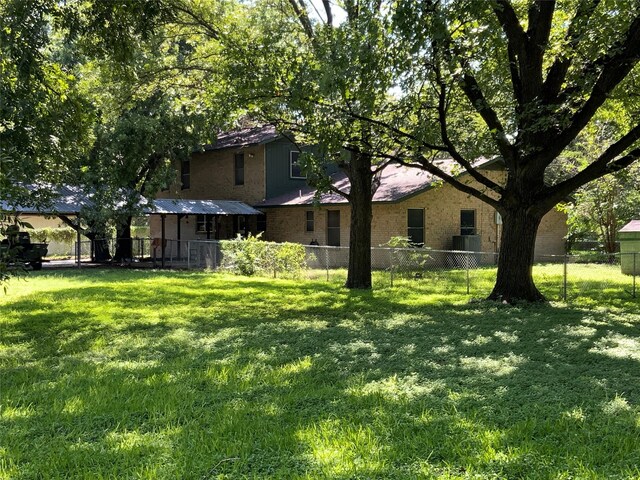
(294, 167)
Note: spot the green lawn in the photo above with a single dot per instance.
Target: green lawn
(142, 374)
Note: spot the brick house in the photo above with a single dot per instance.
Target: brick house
(223, 181)
(259, 167)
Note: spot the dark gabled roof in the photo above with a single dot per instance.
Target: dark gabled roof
(244, 138)
(397, 182)
(200, 207)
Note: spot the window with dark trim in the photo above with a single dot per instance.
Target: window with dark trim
(310, 224)
(333, 228)
(202, 222)
(241, 225)
(295, 171)
(185, 174)
(467, 222)
(238, 166)
(415, 225)
(261, 223)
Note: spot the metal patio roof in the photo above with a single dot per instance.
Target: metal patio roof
(200, 207)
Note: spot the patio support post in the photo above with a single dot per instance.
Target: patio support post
(162, 240)
(207, 223)
(179, 217)
(78, 244)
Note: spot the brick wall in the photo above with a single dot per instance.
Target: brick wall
(288, 224)
(212, 177)
(442, 207)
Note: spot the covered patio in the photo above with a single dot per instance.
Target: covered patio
(199, 220)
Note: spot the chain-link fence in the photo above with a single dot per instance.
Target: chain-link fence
(142, 250)
(559, 277)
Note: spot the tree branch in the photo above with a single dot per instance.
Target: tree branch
(199, 21)
(474, 93)
(558, 71)
(327, 9)
(424, 164)
(507, 17)
(615, 69)
(303, 17)
(605, 164)
(516, 43)
(540, 18)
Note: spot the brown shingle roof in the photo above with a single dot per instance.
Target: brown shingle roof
(244, 138)
(396, 183)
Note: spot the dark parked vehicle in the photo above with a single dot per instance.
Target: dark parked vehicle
(18, 245)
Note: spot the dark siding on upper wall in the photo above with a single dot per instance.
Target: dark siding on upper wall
(277, 154)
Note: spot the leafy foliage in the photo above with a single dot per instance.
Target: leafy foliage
(251, 255)
(44, 120)
(604, 206)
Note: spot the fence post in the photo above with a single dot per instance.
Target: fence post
(275, 263)
(564, 278)
(326, 260)
(392, 266)
(468, 262)
(635, 272)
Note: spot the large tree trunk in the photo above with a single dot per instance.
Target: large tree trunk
(360, 177)
(96, 232)
(124, 249)
(100, 251)
(515, 262)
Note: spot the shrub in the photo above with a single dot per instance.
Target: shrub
(407, 256)
(251, 255)
(48, 234)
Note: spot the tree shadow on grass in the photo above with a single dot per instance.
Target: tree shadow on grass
(257, 380)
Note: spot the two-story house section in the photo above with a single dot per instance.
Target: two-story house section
(216, 188)
(250, 181)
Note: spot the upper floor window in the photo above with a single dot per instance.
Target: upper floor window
(467, 222)
(238, 167)
(185, 174)
(310, 224)
(415, 225)
(294, 167)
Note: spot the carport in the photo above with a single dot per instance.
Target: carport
(65, 201)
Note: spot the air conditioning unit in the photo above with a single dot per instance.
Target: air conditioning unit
(468, 243)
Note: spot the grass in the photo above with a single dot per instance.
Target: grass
(146, 374)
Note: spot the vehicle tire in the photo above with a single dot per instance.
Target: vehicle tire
(36, 265)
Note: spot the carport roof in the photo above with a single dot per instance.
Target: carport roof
(64, 200)
(200, 207)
